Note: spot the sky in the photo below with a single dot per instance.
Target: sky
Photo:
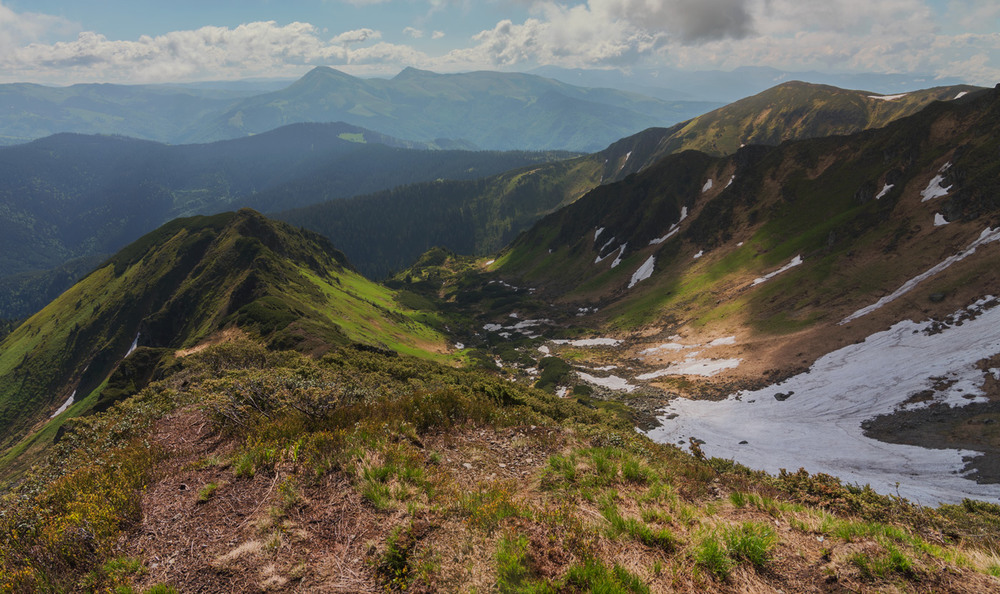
(63, 42)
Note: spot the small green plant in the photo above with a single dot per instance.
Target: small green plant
(752, 542)
(594, 576)
(738, 499)
(882, 565)
(634, 472)
(512, 568)
(661, 538)
(207, 492)
(711, 554)
(394, 565)
(487, 507)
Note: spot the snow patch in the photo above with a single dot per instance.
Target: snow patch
(621, 252)
(491, 262)
(699, 254)
(960, 95)
(599, 258)
(987, 236)
(816, 424)
(707, 186)
(65, 405)
(939, 220)
(544, 350)
(934, 189)
(598, 233)
(459, 345)
(561, 391)
(612, 382)
(644, 272)
(885, 190)
(135, 345)
(731, 180)
(669, 346)
(887, 97)
(795, 262)
(693, 366)
(585, 342)
(673, 228)
(723, 341)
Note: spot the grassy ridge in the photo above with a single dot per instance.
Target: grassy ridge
(184, 282)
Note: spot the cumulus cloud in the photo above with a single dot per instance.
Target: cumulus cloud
(16, 29)
(883, 36)
(356, 36)
(252, 49)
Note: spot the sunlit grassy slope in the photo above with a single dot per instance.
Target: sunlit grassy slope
(180, 284)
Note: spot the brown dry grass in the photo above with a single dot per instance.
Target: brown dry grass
(245, 539)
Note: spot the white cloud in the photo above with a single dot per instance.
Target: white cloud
(253, 49)
(17, 29)
(356, 36)
(844, 35)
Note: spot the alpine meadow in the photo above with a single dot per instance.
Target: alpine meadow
(518, 297)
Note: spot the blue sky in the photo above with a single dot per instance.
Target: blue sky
(64, 41)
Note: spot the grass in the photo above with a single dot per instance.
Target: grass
(206, 493)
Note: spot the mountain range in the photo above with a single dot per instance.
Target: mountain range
(73, 196)
(482, 216)
(490, 110)
(227, 404)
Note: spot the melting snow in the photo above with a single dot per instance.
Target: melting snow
(707, 186)
(459, 345)
(731, 179)
(885, 190)
(598, 233)
(673, 228)
(670, 346)
(585, 342)
(492, 327)
(612, 382)
(135, 345)
(960, 95)
(887, 97)
(561, 391)
(644, 272)
(819, 426)
(544, 350)
(795, 262)
(65, 405)
(934, 189)
(699, 254)
(939, 220)
(723, 341)
(987, 236)
(490, 262)
(693, 366)
(618, 260)
(599, 258)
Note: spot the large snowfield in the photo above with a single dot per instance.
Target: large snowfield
(818, 427)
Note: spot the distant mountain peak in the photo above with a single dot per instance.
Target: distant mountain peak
(411, 72)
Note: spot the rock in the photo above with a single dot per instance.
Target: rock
(744, 442)
(781, 396)
(936, 297)
(467, 465)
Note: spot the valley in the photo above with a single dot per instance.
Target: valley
(755, 351)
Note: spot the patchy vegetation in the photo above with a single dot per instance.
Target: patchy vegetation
(257, 469)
